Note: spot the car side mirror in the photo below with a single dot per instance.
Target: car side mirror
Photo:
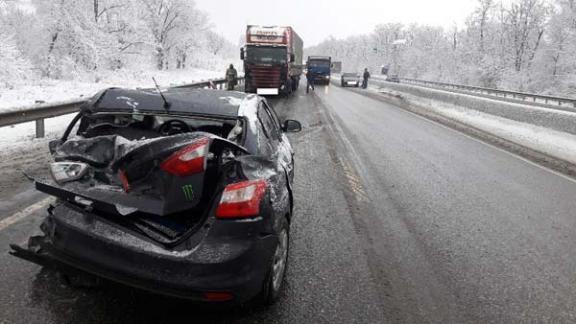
(292, 58)
(242, 54)
(291, 126)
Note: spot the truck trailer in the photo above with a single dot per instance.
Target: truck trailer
(272, 60)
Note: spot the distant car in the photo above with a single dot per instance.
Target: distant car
(190, 199)
(393, 78)
(350, 79)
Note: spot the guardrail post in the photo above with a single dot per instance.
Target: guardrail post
(40, 128)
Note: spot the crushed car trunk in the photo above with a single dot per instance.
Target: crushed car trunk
(158, 187)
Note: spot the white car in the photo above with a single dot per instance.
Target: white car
(350, 79)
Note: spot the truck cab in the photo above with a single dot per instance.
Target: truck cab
(320, 68)
(272, 60)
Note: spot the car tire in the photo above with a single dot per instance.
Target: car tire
(274, 281)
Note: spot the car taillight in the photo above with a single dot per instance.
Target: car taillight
(124, 180)
(217, 296)
(241, 199)
(189, 160)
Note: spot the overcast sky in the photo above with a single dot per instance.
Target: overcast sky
(315, 20)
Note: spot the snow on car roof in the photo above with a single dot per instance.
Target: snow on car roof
(187, 101)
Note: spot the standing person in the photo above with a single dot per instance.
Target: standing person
(365, 78)
(231, 77)
(309, 81)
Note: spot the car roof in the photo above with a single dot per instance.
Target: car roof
(182, 101)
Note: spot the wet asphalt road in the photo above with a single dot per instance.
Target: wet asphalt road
(398, 219)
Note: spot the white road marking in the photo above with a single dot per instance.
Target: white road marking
(13, 219)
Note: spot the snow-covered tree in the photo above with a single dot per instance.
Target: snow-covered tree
(13, 67)
(81, 38)
(527, 45)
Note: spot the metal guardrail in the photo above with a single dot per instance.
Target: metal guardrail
(534, 99)
(41, 112)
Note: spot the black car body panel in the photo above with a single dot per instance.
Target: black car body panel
(129, 220)
(182, 101)
(223, 260)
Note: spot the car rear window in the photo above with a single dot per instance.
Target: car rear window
(142, 126)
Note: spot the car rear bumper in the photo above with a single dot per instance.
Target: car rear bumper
(231, 265)
(350, 82)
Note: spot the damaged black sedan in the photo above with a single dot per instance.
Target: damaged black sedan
(186, 193)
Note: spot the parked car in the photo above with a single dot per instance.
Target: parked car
(188, 194)
(350, 79)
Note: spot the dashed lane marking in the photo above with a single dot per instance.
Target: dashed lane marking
(15, 218)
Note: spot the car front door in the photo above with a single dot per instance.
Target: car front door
(283, 152)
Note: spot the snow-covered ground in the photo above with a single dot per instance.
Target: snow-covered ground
(21, 152)
(57, 91)
(555, 143)
(48, 91)
(12, 137)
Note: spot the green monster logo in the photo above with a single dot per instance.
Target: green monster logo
(188, 192)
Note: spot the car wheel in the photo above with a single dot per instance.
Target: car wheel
(277, 269)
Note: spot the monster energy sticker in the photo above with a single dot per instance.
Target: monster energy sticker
(188, 192)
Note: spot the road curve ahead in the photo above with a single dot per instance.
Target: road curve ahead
(398, 219)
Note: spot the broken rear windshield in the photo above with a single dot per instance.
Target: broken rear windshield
(142, 126)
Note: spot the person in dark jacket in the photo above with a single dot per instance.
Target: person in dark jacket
(365, 78)
(309, 81)
(231, 77)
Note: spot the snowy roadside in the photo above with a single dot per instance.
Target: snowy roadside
(22, 96)
(560, 145)
(59, 91)
(21, 152)
(551, 142)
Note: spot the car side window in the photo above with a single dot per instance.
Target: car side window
(274, 116)
(268, 124)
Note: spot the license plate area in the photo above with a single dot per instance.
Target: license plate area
(267, 91)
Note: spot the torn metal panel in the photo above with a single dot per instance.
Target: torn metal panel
(151, 190)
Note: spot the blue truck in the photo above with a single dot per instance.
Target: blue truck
(319, 67)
